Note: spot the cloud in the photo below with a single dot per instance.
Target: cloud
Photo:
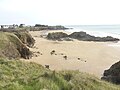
(63, 11)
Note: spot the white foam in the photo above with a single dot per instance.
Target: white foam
(99, 34)
(115, 44)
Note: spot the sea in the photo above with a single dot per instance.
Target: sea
(98, 30)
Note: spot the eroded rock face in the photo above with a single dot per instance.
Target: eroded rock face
(25, 52)
(26, 38)
(112, 74)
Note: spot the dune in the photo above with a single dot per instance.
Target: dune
(90, 57)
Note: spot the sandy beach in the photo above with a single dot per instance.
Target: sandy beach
(94, 57)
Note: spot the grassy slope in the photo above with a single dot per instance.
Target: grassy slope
(21, 75)
(11, 46)
(8, 44)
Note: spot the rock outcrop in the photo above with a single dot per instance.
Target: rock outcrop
(26, 38)
(112, 74)
(39, 27)
(56, 36)
(82, 36)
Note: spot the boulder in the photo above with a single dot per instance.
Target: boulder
(112, 74)
(81, 36)
(56, 36)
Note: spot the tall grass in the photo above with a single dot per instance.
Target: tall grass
(21, 75)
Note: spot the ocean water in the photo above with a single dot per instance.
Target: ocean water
(97, 30)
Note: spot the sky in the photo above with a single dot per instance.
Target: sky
(60, 12)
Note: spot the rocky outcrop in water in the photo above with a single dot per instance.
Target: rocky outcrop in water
(82, 36)
(112, 74)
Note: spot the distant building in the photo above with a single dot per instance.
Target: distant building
(8, 26)
(4, 26)
(21, 25)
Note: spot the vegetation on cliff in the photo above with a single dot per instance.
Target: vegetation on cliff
(21, 75)
(12, 47)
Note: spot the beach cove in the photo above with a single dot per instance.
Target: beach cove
(85, 56)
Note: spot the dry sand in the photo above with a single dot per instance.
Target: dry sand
(95, 57)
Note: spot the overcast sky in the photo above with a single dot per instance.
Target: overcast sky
(60, 12)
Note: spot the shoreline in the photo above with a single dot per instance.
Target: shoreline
(98, 55)
(111, 44)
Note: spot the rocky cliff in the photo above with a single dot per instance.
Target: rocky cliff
(26, 38)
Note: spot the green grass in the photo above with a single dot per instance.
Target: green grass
(3, 40)
(84, 81)
(21, 75)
